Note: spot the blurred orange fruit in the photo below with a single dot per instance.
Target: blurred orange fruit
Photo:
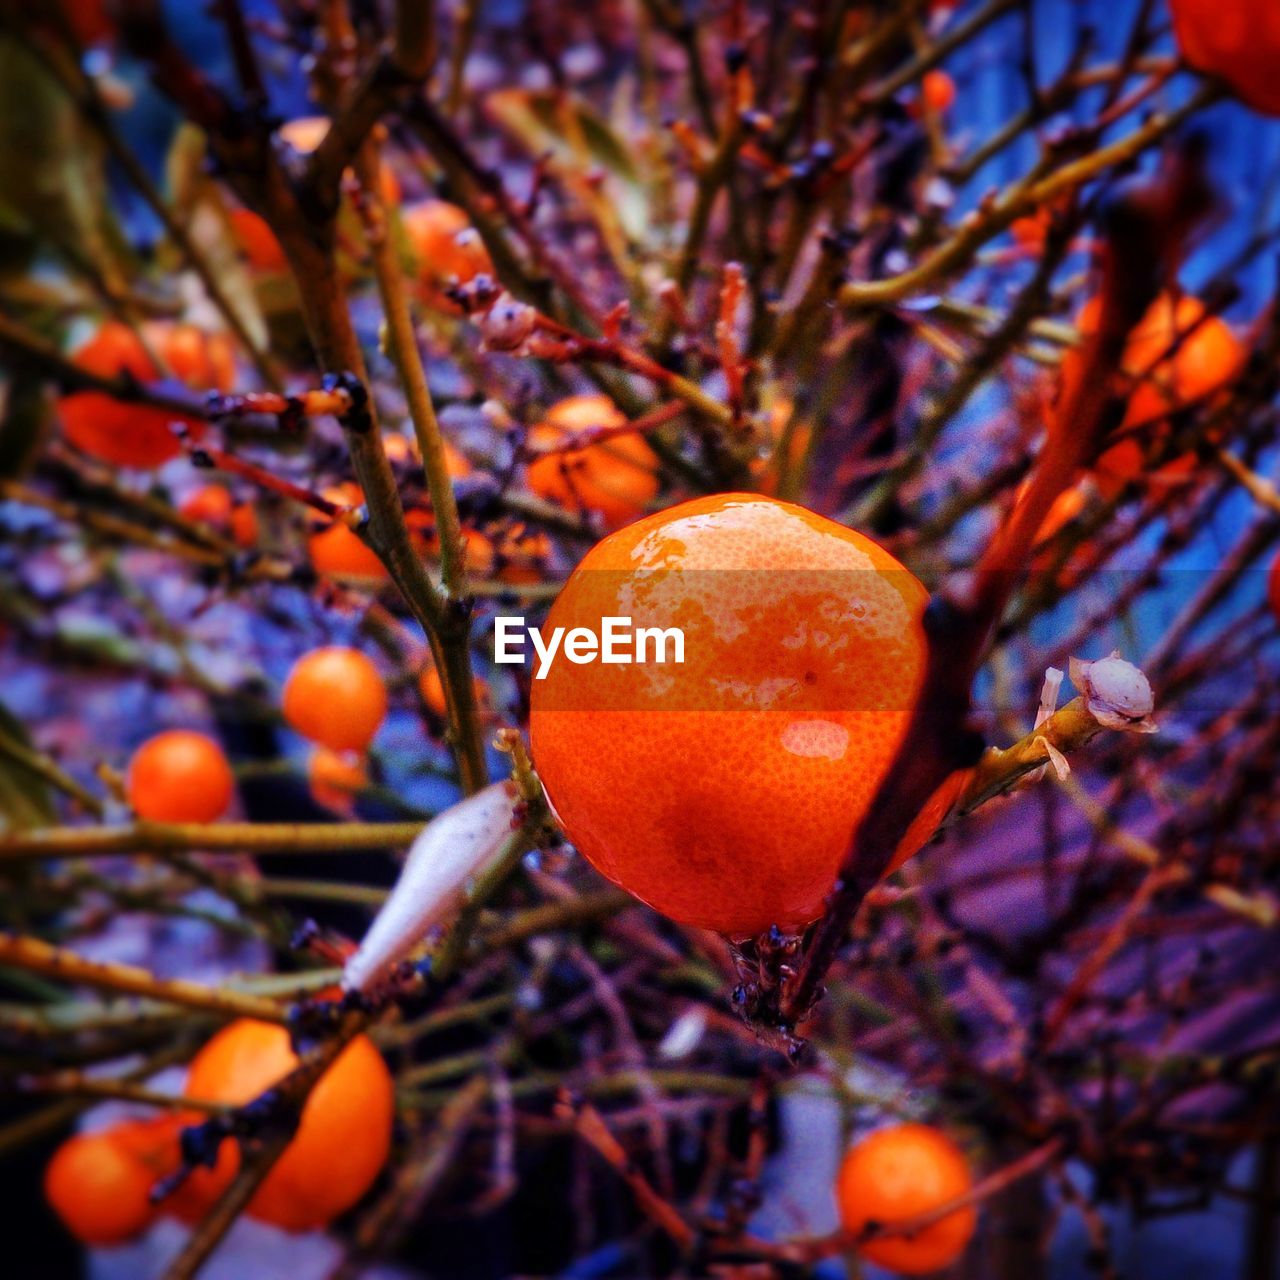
(99, 1189)
(1238, 40)
(897, 1174)
(179, 776)
(937, 92)
(210, 504)
(335, 777)
(343, 1137)
(615, 478)
(1181, 356)
(335, 696)
(447, 248)
(431, 687)
(340, 551)
(724, 790)
(257, 241)
(127, 435)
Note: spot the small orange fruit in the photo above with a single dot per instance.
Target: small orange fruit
(335, 777)
(99, 1189)
(1181, 356)
(723, 790)
(338, 550)
(446, 246)
(179, 776)
(1238, 40)
(343, 1137)
(203, 360)
(431, 687)
(335, 696)
(210, 504)
(616, 478)
(126, 435)
(937, 92)
(243, 525)
(897, 1174)
(257, 241)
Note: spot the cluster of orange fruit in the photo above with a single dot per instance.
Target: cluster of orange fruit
(101, 1184)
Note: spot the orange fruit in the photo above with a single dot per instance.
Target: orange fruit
(724, 790)
(1238, 40)
(99, 1189)
(335, 696)
(431, 687)
(203, 360)
(243, 525)
(1181, 356)
(179, 776)
(127, 435)
(937, 92)
(257, 241)
(896, 1174)
(343, 1137)
(446, 246)
(210, 504)
(615, 478)
(335, 777)
(340, 551)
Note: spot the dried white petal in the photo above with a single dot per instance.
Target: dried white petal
(449, 851)
(1061, 766)
(1117, 694)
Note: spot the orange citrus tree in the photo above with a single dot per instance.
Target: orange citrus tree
(540, 553)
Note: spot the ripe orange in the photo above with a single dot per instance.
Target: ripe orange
(343, 1137)
(210, 504)
(1238, 40)
(99, 1189)
(937, 92)
(896, 1174)
(257, 241)
(335, 696)
(334, 778)
(1181, 356)
(447, 248)
(615, 478)
(243, 525)
(179, 776)
(723, 791)
(339, 550)
(127, 435)
(431, 687)
(203, 360)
